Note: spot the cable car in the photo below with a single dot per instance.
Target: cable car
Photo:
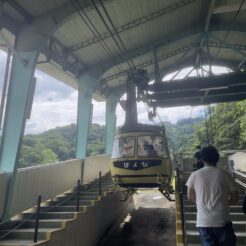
(140, 156)
(140, 159)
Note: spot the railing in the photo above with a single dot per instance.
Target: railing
(180, 199)
(36, 215)
(240, 178)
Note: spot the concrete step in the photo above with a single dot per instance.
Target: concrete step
(86, 193)
(50, 215)
(233, 216)
(71, 203)
(87, 198)
(63, 209)
(16, 242)
(82, 203)
(27, 233)
(239, 226)
(52, 218)
(103, 182)
(193, 237)
(82, 198)
(31, 224)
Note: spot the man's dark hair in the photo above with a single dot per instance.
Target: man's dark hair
(210, 155)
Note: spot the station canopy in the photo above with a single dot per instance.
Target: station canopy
(107, 38)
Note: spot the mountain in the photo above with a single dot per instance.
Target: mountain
(224, 127)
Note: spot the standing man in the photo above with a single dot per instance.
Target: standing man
(213, 190)
(198, 156)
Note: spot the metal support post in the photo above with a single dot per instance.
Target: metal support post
(5, 86)
(100, 183)
(86, 85)
(35, 239)
(111, 104)
(181, 196)
(78, 196)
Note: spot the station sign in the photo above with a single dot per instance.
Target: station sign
(136, 164)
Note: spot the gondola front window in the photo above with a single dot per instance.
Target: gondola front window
(123, 147)
(151, 146)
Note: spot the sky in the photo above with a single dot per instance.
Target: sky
(55, 104)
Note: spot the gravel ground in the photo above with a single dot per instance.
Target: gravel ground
(152, 223)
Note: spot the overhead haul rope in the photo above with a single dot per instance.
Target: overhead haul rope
(122, 48)
(211, 126)
(76, 5)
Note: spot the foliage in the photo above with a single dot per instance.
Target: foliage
(181, 136)
(225, 127)
(58, 145)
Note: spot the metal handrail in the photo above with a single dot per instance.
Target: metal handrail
(181, 196)
(238, 176)
(75, 193)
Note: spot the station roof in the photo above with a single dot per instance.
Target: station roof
(109, 37)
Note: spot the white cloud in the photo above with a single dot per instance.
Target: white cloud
(173, 114)
(49, 114)
(55, 104)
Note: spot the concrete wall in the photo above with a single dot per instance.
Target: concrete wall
(89, 227)
(47, 180)
(238, 161)
(94, 164)
(4, 177)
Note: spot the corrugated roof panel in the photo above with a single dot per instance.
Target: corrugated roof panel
(140, 23)
(36, 8)
(226, 54)
(132, 38)
(96, 53)
(126, 11)
(78, 30)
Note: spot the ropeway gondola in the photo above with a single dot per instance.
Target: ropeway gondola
(140, 157)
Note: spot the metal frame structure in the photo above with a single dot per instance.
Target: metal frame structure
(35, 39)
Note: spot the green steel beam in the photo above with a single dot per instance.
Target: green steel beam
(150, 62)
(15, 117)
(102, 67)
(197, 101)
(198, 83)
(206, 29)
(193, 94)
(86, 85)
(43, 27)
(111, 103)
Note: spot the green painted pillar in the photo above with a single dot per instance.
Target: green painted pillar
(111, 104)
(15, 117)
(87, 85)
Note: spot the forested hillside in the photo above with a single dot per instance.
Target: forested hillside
(181, 136)
(59, 144)
(224, 127)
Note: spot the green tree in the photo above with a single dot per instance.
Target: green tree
(226, 128)
(48, 156)
(29, 157)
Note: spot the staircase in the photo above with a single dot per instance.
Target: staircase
(237, 216)
(54, 214)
